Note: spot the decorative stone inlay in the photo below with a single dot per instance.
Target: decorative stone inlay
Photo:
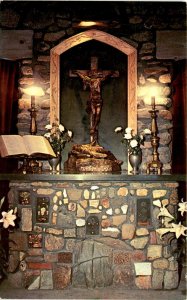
(105, 203)
(128, 231)
(62, 276)
(159, 193)
(26, 224)
(139, 243)
(44, 191)
(80, 211)
(123, 191)
(35, 240)
(80, 222)
(143, 268)
(86, 194)
(124, 208)
(46, 281)
(94, 187)
(141, 192)
(94, 203)
(54, 231)
(53, 242)
(142, 231)
(154, 251)
(118, 220)
(157, 279)
(109, 211)
(70, 232)
(143, 282)
(110, 231)
(161, 263)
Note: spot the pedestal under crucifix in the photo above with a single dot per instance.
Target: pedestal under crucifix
(92, 157)
(93, 79)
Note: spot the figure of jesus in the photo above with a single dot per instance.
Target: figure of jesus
(93, 80)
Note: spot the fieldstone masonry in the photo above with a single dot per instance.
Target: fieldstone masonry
(52, 25)
(59, 251)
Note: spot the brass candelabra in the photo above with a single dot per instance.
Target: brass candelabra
(155, 166)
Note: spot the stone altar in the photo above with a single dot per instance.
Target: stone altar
(124, 249)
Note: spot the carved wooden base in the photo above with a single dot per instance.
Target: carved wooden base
(88, 158)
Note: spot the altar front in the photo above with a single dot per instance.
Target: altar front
(92, 230)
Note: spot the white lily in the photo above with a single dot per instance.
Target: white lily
(164, 213)
(8, 218)
(179, 229)
(118, 129)
(128, 130)
(127, 136)
(47, 135)
(133, 143)
(157, 203)
(61, 128)
(182, 207)
(70, 133)
(147, 131)
(48, 126)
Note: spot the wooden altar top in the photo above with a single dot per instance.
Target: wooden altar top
(91, 177)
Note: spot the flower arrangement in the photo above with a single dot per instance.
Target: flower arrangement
(169, 224)
(7, 220)
(58, 136)
(133, 140)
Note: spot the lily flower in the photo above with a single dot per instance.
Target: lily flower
(48, 126)
(8, 218)
(182, 207)
(179, 229)
(118, 129)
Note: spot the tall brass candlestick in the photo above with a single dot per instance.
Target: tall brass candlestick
(155, 166)
(33, 127)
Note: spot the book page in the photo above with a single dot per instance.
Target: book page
(37, 145)
(12, 145)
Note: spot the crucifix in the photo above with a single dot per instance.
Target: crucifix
(93, 79)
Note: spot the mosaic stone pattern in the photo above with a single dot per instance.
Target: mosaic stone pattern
(108, 224)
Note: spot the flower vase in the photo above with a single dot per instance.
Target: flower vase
(54, 162)
(135, 161)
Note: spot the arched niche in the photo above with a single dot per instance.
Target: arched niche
(109, 40)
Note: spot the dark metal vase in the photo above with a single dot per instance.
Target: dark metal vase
(54, 162)
(135, 161)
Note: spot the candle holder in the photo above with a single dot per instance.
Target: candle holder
(155, 166)
(33, 125)
(33, 166)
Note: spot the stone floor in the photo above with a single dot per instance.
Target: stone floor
(7, 292)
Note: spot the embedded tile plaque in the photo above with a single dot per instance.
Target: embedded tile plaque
(143, 212)
(35, 240)
(42, 211)
(24, 197)
(92, 225)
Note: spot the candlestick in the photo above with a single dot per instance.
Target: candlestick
(155, 166)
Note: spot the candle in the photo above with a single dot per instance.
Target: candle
(32, 101)
(153, 102)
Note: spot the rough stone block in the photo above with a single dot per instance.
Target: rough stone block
(61, 276)
(154, 251)
(171, 280)
(128, 231)
(46, 281)
(143, 282)
(157, 279)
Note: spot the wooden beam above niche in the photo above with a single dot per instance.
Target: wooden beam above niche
(16, 44)
(171, 44)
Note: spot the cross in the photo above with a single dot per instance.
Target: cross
(93, 78)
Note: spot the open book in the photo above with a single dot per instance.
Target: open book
(27, 145)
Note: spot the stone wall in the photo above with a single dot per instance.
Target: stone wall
(89, 234)
(136, 24)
